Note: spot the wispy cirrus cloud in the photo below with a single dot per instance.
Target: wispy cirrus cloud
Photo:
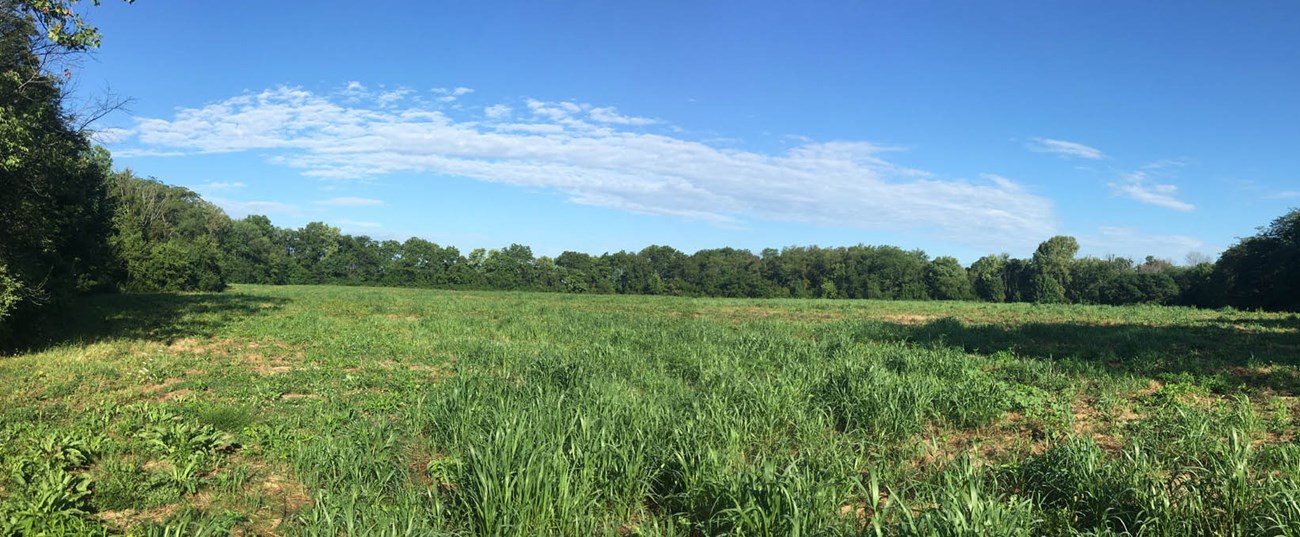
(598, 156)
(1064, 148)
(111, 135)
(240, 209)
(348, 201)
(213, 186)
(1141, 186)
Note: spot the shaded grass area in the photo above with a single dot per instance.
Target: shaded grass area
(155, 316)
(1263, 354)
(327, 411)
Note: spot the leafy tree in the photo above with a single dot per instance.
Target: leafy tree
(53, 191)
(987, 277)
(421, 263)
(1197, 286)
(584, 273)
(167, 238)
(630, 273)
(945, 279)
(1017, 277)
(1139, 288)
(1090, 276)
(511, 267)
(549, 276)
(62, 27)
(725, 272)
(896, 274)
(1263, 271)
(666, 265)
(1051, 268)
(253, 252)
(309, 247)
(828, 290)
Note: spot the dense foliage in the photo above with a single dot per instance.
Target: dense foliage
(255, 251)
(165, 237)
(1261, 272)
(55, 206)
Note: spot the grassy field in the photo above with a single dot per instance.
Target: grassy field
(330, 411)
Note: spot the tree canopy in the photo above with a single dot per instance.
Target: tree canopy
(57, 212)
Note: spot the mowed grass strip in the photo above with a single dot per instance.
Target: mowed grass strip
(333, 410)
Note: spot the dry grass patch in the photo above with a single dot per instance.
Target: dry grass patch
(124, 519)
(903, 318)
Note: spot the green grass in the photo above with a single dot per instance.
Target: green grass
(330, 411)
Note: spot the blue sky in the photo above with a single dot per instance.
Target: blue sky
(962, 128)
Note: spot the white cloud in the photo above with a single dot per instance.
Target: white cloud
(240, 209)
(355, 91)
(1132, 243)
(1064, 148)
(530, 127)
(351, 202)
(1163, 165)
(1285, 194)
(1001, 181)
(497, 111)
(137, 152)
(1138, 186)
(840, 184)
(111, 135)
(451, 94)
(387, 98)
(610, 115)
(220, 185)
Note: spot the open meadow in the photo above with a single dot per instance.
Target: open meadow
(376, 411)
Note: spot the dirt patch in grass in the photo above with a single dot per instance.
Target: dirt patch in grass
(163, 391)
(268, 369)
(905, 319)
(155, 388)
(285, 491)
(176, 394)
(225, 347)
(418, 468)
(994, 443)
(123, 519)
(157, 465)
(280, 496)
(739, 314)
(268, 364)
(1153, 386)
(1090, 423)
(295, 395)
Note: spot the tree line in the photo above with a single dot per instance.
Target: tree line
(71, 225)
(170, 239)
